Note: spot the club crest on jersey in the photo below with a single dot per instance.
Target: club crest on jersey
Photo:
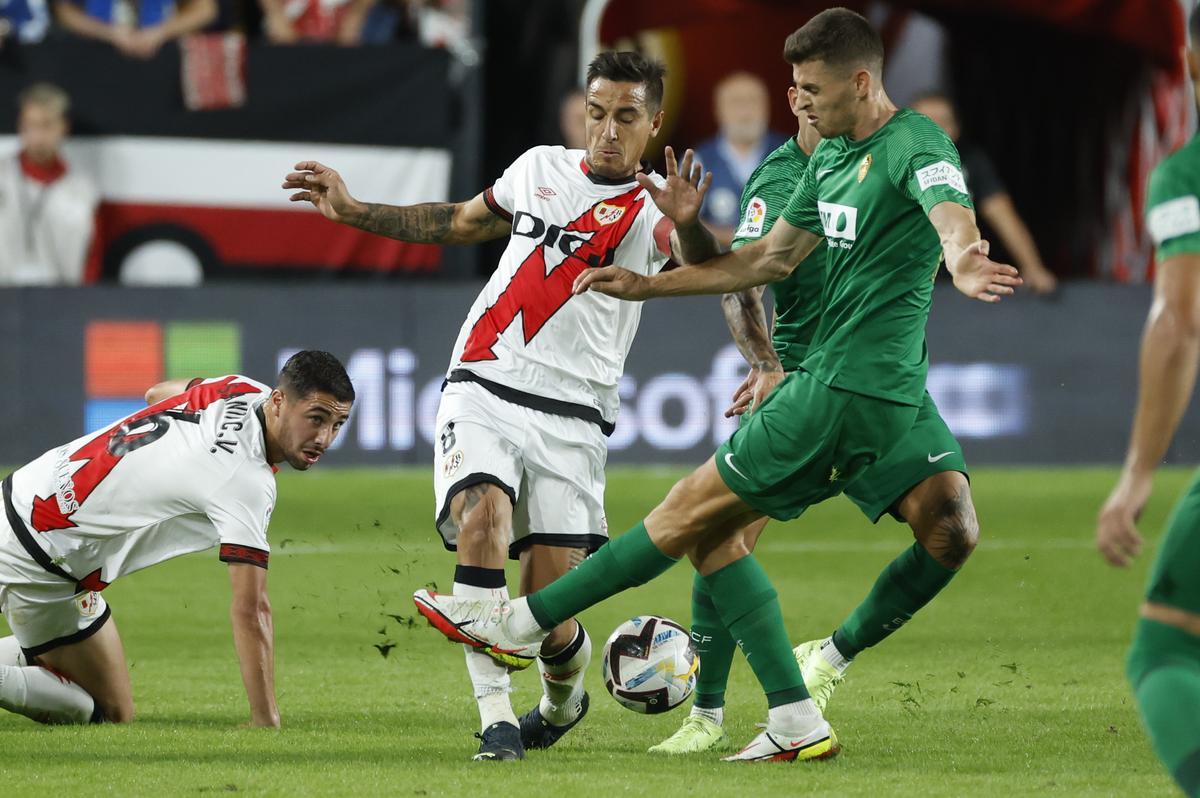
(752, 222)
(865, 167)
(88, 604)
(452, 464)
(607, 214)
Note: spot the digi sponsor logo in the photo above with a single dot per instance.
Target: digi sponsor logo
(122, 359)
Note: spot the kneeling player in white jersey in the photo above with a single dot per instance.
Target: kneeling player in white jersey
(520, 459)
(194, 470)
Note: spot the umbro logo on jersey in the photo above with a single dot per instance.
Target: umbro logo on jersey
(545, 192)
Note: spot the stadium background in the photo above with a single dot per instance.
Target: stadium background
(192, 197)
(1012, 681)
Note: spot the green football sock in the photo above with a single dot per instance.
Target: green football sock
(1164, 667)
(908, 583)
(715, 646)
(749, 608)
(624, 562)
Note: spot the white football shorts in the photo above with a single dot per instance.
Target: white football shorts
(551, 467)
(43, 610)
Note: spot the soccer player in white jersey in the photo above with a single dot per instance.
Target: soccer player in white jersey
(194, 470)
(519, 461)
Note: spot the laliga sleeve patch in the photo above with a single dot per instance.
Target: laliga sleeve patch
(942, 173)
(1174, 218)
(752, 220)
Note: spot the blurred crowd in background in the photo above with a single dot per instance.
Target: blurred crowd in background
(1057, 194)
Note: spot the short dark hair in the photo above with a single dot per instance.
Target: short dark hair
(836, 36)
(626, 66)
(310, 370)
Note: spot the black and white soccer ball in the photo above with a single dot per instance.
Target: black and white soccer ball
(650, 664)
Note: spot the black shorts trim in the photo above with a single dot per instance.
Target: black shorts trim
(77, 637)
(478, 478)
(588, 542)
(555, 407)
(30, 545)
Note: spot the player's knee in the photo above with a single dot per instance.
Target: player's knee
(118, 711)
(954, 532)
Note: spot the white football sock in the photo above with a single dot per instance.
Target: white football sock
(44, 696)
(521, 625)
(715, 714)
(797, 719)
(562, 679)
(830, 653)
(10, 652)
(489, 678)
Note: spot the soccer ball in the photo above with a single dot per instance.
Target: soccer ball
(650, 664)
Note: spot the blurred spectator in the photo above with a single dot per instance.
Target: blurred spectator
(292, 21)
(742, 110)
(137, 28)
(25, 21)
(992, 200)
(572, 117)
(47, 211)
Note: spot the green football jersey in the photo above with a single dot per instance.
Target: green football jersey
(797, 297)
(870, 199)
(1173, 202)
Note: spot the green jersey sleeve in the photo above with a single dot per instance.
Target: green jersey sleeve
(801, 210)
(1173, 208)
(925, 166)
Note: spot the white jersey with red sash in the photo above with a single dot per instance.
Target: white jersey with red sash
(526, 338)
(183, 475)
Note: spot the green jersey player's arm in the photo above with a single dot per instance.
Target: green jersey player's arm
(469, 222)
(767, 260)
(966, 254)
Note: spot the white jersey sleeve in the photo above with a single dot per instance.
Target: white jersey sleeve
(241, 511)
(501, 196)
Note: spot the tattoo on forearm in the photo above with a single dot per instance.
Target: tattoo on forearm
(428, 223)
(747, 322)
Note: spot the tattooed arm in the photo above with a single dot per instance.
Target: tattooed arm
(748, 323)
(467, 222)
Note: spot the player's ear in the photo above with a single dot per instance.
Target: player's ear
(793, 95)
(656, 122)
(277, 401)
(862, 82)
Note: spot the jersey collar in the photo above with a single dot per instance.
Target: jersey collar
(600, 180)
(42, 173)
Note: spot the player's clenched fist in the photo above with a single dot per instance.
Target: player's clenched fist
(324, 188)
(613, 281)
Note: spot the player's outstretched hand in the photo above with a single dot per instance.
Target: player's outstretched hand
(316, 183)
(683, 192)
(613, 281)
(1117, 536)
(753, 390)
(981, 278)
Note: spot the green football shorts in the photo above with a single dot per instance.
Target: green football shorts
(806, 443)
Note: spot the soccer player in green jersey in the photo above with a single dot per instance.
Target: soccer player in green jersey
(874, 184)
(1164, 660)
(921, 481)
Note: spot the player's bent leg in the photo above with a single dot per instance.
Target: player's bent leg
(703, 729)
(632, 559)
(1164, 668)
(564, 655)
(940, 512)
(483, 514)
(78, 682)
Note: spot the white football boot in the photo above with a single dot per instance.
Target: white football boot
(479, 623)
(768, 746)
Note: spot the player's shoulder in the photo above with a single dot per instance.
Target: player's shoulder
(228, 386)
(911, 132)
(546, 154)
(1178, 174)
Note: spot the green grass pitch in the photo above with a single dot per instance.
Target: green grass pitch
(1010, 683)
